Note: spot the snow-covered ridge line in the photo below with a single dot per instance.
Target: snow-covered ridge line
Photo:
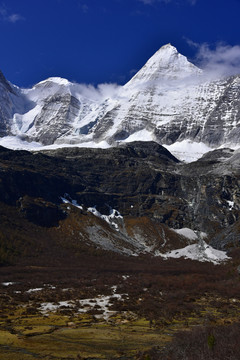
(57, 80)
(169, 101)
(166, 63)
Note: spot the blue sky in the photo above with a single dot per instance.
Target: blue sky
(97, 41)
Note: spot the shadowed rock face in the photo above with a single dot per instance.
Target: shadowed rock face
(152, 191)
(12, 101)
(5, 83)
(6, 105)
(40, 212)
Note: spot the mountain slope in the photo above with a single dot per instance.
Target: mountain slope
(167, 63)
(172, 99)
(133, 199)
(169, 101)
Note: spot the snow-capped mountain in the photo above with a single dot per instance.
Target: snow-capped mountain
(167, 64)
(169, 101)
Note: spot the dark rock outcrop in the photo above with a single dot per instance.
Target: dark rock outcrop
(140, 180)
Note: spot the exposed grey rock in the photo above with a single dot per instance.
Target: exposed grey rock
(55, 118)
(169, 100)
(4, 83)
(151, 189)
(140, 179)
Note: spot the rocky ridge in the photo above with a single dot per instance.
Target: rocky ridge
(133, 199)
(169, 100)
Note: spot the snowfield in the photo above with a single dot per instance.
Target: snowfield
(169, 100)
(200, 252)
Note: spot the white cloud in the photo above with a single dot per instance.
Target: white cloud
(108, 90)
(100, 92)
(5, 15)
(14, 18)
(218, 61)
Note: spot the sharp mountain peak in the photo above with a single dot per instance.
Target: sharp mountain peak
(162, 102)
(167, 63)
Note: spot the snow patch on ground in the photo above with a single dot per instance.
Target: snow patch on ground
(113, 215)
(34, 290)
(110, 219)
(191, 234)
(8, 283)
(200, 252)
(101, 303)
(230, 204)
(72, 202)
(188, 233)
(48, 307)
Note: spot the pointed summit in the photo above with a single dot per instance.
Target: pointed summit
(167, 63)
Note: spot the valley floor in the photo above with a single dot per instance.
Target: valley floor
(125, 308)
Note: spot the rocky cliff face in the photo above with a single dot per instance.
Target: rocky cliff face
(134, 197)
(130, 199)
(172, 100)
(169, 100)
(144, 180)
(8, 98)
